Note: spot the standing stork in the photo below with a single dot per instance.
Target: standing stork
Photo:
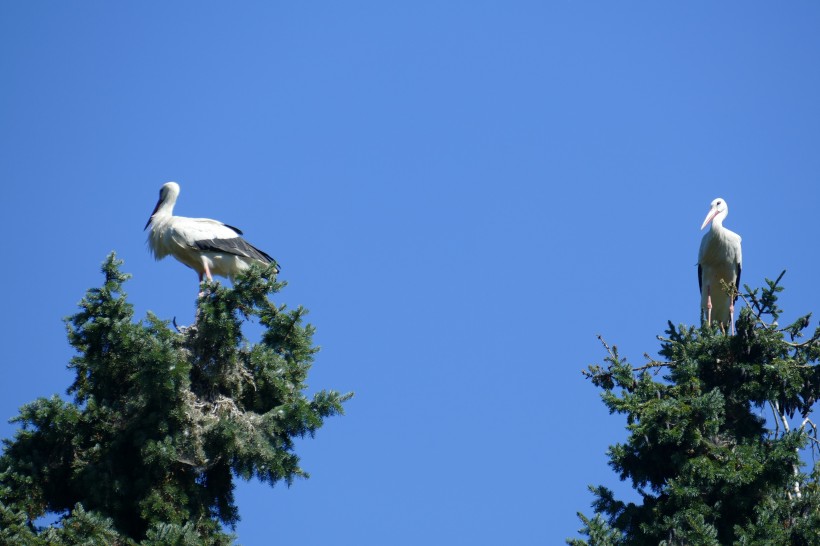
(719, 259)
(207, 246)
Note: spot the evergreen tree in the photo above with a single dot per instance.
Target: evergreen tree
(162, 421)
(716, 430)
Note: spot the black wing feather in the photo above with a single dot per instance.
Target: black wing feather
(236, 246)
(700, 279)
(737, 282)
(236, 229)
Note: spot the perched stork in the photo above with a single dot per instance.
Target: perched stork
(719, 259)
(207, 246)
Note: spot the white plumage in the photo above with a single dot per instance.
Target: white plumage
(719, 259)
(207, 246)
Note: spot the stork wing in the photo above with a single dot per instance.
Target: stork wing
(197, 229)
(700, 279)
(213, 236)
(236, 245)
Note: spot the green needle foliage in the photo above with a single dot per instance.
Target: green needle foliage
(715, 435)
(162, 421)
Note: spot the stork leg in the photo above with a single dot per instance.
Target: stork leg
(732, 316)
(708, 304)
(207, 271)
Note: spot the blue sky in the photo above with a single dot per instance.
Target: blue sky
(463, 194)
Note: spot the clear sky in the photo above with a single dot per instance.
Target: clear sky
(463, 194)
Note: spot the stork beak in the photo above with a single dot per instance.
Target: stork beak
(709, 217)
(152, 215)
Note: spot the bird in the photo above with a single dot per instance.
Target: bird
(207, 246)
(719, 259)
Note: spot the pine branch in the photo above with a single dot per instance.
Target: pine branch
(165, 418)
(708, 467)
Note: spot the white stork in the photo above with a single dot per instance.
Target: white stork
(719, 259)
(207, 246)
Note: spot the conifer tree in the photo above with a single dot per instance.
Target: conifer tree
(163, 421)
(716, 430)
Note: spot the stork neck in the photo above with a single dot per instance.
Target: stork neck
(165, 209)
(717, 222)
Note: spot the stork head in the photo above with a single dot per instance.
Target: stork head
(167, 197)
(717, 212)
